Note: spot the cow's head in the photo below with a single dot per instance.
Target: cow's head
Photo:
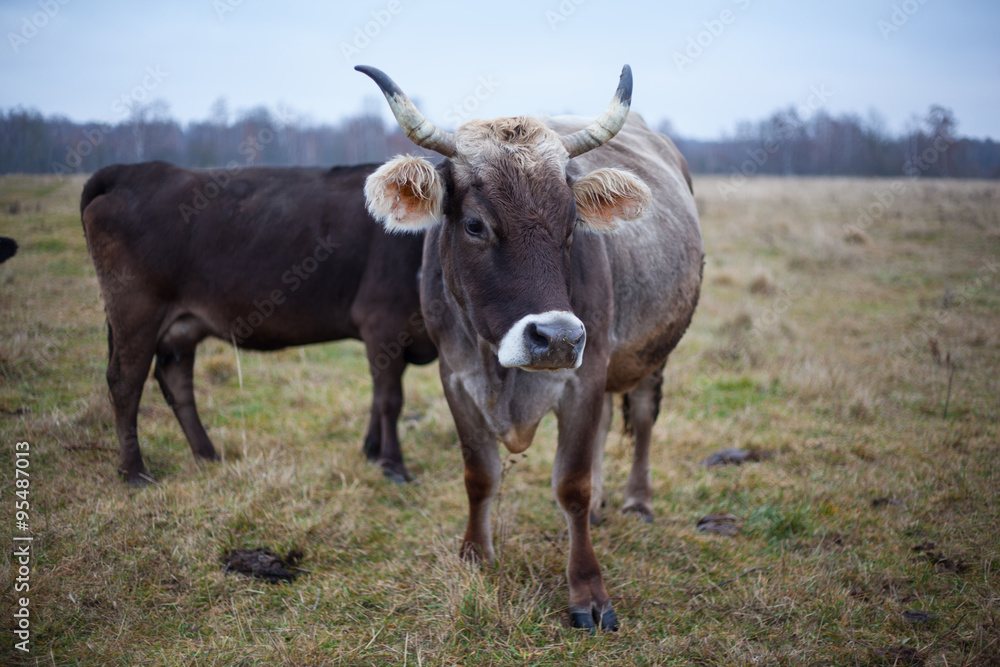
(508, 212)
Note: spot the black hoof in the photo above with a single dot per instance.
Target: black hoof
(591, 619)
(397, 474)
(137, 479)
(394, 477)
(609, 620)
(582, 620)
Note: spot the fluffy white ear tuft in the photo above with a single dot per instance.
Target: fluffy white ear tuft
(606, 198)
(405, 194)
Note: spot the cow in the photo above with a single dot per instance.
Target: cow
(8, 248)
(559, 268)
(262, 258)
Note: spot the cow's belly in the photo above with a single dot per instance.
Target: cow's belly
(642, 351)
(258, 325)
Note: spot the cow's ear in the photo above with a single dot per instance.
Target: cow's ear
(405, 194)
(606, 198)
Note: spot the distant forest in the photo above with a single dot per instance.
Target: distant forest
(783, 144)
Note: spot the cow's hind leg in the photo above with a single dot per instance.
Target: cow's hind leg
(130, 353)
(372, 447)
(642, 406)
(597, 469)
(175, 373)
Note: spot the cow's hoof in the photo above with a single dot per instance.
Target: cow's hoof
(591, 619)
(609, 619)
(137, 479)
(397, 474)
(640, 511)
(582, 619)
(472, 552)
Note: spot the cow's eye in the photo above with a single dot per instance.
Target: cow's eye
(474, 227)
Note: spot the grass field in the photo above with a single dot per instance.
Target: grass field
(828, 340)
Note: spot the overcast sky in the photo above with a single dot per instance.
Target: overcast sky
(703, 65)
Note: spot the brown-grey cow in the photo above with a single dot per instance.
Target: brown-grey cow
(263, 258)
(560, 267)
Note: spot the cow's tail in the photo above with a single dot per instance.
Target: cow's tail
(102, 182)
(626, 417)
(111, 340)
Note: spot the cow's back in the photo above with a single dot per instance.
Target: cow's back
(294, 245)
(656, 261)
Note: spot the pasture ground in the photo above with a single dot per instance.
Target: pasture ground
(830, 348)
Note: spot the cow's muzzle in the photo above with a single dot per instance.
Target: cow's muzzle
(546, 341)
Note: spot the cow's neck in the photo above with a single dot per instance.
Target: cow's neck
(510, 401)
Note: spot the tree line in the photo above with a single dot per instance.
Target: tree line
(844, 145)
(782, 144)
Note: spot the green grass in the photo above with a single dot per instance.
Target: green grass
(809, 345)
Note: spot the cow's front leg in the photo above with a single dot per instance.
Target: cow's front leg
(482, 472)
(482, 477)
(589, 602)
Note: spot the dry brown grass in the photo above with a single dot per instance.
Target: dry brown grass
(828, 352)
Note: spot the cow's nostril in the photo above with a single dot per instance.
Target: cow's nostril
(536, 337)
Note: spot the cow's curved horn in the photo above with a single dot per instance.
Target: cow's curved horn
(421, 131)
(604, 128)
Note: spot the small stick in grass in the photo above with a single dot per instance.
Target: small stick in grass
(951, 375)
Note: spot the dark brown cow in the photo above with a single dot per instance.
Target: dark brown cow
(258, 257)
(547, 251)
(8, 248)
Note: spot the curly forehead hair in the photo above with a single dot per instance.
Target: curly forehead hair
(525, 141)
